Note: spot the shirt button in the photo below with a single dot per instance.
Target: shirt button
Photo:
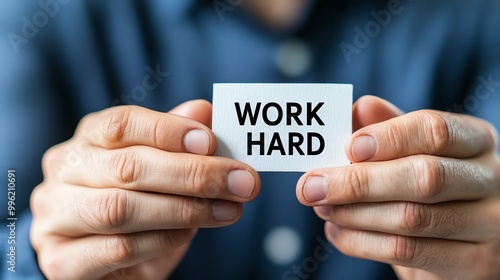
(293, 58)
(282, 245)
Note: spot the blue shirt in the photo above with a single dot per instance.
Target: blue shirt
(62, 60)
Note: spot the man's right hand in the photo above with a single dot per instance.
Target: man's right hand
(126, 194)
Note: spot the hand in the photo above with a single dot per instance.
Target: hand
(422, 194)
(125, 195)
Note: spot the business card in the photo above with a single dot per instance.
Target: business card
(283, 127)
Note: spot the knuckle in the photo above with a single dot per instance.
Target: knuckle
(115, 123)
(120, 248)
(356, 181)
(161, 132)
(43, 212)
(187, 212)
(403, 249)
(492, 134)
(126, 166)
(429, 176)
(394, 136)
(51, 158)
(109, 210)
(43, 209)
(441, 135)
(37, 200)
(40, 203)
(48, 159)
(440, 223)
(86, 122)
(165, 240)
(49, 264)
(197, 178)
(34, 236)
(416, 218)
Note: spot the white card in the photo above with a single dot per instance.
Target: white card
(283, 127)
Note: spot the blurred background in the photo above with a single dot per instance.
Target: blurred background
(60, 60)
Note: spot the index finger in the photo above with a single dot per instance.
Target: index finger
(125, 126)
(422, 132)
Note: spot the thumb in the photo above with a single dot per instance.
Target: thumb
(198, 110)
(370, 109)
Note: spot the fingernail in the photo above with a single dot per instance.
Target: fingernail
(224, 210)
(241, 183)
(197, 141)
(363, 148)
(332, 230)
(323, 210)
(315, 189)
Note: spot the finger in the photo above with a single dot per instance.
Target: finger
(142, 168)
(370, 109)
(424, 179)
(87, 211)
(98, 255)
(455, 220)
(157, 268)
(448, 259)
(197, 110)
(403, 271)
(323, 211)
(422, 132)
(125, 126)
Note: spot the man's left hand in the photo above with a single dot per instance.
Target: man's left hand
(422, 194)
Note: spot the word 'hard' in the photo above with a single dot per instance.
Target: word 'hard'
(295, 141)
